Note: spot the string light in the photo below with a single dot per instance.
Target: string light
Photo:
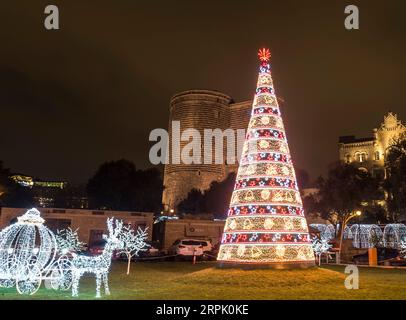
(327, 231)
(393, 235)
(133, 242)
(98, 265)
(320, 246)
(403, 247)
(28, 252)
(266, 223)
(68, 241)
(27, 248)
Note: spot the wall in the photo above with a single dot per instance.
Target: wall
(83, 220)
(169, 231)
(383, 136)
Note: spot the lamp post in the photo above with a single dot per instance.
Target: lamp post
(345, 221)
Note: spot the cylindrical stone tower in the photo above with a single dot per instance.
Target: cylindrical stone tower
(197, 109)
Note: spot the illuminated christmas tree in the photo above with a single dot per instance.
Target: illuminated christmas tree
(266, 223)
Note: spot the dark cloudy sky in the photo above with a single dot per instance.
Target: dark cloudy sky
(93, 90)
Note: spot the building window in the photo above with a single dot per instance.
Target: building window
(361, 157)
(347, 158)
(377, 155)
(95, 237)
(58, 224)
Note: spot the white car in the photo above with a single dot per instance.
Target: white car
(187, 248)
(207, 246)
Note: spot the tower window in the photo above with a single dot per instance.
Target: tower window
(347, 158)
(377, 155)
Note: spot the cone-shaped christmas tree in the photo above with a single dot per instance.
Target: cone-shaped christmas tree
(266, 223)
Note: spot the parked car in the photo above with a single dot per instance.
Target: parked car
(383, 254)
(97, 247)
(152, 250)
(207, 246)
(186, 248)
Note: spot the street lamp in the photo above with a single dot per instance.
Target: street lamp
(345, 221)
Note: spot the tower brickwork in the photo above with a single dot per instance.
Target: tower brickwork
(200, 109)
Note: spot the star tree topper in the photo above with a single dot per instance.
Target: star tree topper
(264, 54)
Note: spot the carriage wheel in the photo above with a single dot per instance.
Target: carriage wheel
(61, 277)
(7, 283)
(29, 285)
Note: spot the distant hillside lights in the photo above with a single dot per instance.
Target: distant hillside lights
(27, 181)
(188, 147)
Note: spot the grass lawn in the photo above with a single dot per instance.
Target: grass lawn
(182, 280)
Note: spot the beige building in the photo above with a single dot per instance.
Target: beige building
(369, 153)
(91, 224)
(166, 232)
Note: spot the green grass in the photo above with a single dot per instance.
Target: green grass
(182, 280)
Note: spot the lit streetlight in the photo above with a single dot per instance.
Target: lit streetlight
(357, 213)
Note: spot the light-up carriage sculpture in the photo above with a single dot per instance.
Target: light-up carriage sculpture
(28, 255)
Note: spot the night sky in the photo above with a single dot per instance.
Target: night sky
(92, 91)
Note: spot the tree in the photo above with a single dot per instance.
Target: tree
(68, 242)
(266, 223)
(320, 246)
(214, 200)
(11, 193)
(395, 184)
(193, 203)
(118, 185)
(148, 188)
(72, 196)
(303, 178)
(133, 243)
(345, 190)
(4, 180)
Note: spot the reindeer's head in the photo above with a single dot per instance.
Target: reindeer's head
(114, 227)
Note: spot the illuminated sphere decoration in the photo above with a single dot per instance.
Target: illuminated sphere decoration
(266, 226)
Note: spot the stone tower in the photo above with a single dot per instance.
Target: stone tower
(200, 109)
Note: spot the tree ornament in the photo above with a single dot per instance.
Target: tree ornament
(232, 224)
(241, 251)
(265, 194)
(249, 196)
(265, 120)
(264, 54)
(268, 223)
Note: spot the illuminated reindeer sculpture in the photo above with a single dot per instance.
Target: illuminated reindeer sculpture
(98, 265)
